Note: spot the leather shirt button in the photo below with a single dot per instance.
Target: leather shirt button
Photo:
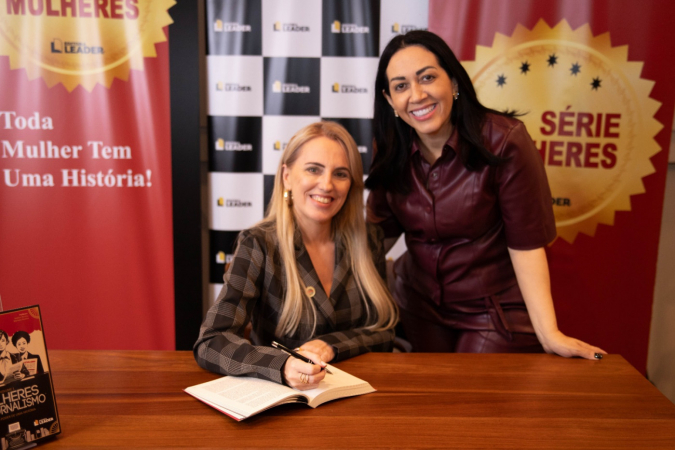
(434, 175)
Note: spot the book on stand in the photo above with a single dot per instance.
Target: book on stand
(28, 411)
(243, 397)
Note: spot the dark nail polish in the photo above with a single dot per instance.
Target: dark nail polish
(598, 356)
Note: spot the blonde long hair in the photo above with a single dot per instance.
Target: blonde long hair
(348, 226)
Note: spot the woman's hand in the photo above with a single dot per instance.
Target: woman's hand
(303, 376)
(318, 347)
(568, 347)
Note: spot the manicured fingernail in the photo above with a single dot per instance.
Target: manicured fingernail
(598, 356)
(323, 364)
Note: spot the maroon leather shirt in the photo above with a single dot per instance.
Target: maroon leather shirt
(459, 223)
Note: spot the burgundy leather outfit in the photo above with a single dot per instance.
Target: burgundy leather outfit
(455, 285)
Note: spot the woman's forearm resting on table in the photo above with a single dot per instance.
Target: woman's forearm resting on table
(531, 268)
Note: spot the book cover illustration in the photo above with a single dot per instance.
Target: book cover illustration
(27, 405)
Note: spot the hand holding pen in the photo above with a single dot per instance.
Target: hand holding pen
(297, 355)
(301, 372)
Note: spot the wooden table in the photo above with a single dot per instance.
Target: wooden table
(134, 399)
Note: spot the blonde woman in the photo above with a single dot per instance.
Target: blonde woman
(310, 275)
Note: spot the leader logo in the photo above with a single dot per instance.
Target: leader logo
(289, 88)
(230, 27)
(279, 146)
(234, 203)
(232, 87)
(348, 28)
(290, 27)
(224, 258)
(233, 146)
(403, 29)
(348, 89)
(57, 46)
(41, 421)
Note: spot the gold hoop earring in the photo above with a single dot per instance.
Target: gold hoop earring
(288, 197)
(395, 113)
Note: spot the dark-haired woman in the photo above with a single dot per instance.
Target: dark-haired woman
(21, 339)
(467, 187)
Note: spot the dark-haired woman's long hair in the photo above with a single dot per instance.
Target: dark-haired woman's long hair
(393, 137)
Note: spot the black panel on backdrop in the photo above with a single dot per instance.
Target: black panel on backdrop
(269, 187)
(235, 144)
(234, 27)
(292, 86)
(351, 28)
(221, 245)
(362, 132)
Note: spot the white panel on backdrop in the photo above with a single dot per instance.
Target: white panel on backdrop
(291, 28)
(347, 87)
(400, 16)
(235, 85)
(213, 292)
(235, 200)
(277, 131)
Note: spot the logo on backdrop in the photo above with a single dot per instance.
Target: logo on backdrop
(350, 28)
(289, 88)
(236, 200)
(232, 87)
(292, 86)
(236, 144)
(353, 28)
(221, 250)
(291, 27)
(403, 29)
(230, 27)
(57, 46)
(71, 48)
(594, 127)
(348, 89)
(232, 146)
(234, 28)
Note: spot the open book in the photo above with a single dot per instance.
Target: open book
(242, 397)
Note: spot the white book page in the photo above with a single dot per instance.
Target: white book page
(242, 395)
(340, 384)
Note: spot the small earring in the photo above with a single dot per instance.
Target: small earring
(395, 113)
(456, 95)
(288, 197)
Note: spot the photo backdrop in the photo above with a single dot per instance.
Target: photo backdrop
(85, 171)
(274, 66)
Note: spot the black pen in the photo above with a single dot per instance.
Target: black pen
(295, 354)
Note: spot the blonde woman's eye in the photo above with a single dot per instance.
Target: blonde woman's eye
(342, 175)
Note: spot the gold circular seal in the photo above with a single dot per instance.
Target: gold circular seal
(587, 110)
(82, 42)
(310, 291)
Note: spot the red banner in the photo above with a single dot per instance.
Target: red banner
(85, 171)
(594, 80)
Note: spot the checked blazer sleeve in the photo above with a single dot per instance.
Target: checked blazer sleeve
(221, 346)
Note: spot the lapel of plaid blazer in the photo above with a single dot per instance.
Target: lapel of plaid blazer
(310, 278)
